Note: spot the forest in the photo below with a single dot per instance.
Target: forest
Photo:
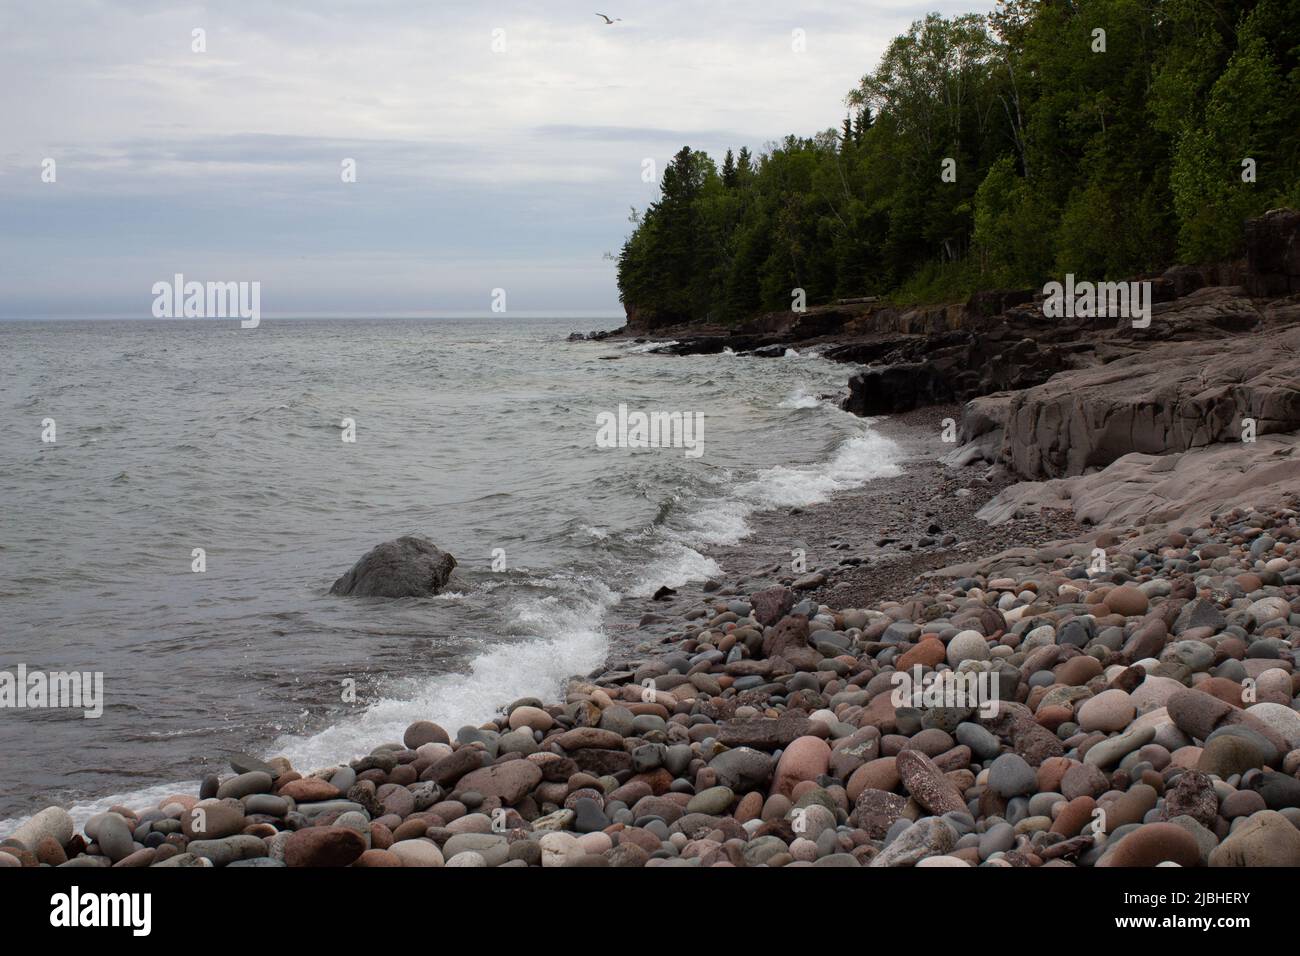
(1100, 138)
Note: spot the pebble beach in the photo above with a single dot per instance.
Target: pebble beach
(1142, 714)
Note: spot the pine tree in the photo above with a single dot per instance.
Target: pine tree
(744, 165)
(861, 123)
(729, 170)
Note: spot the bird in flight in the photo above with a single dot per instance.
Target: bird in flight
(608, 21)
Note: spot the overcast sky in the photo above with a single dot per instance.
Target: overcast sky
(475, 169)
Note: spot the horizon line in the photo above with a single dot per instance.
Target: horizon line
(431, 315)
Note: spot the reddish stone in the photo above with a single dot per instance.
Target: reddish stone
(381, 838)
(1053, 716)
(878, 774)
(805, 759)
(928, 653)
(509, 781)
(323, 846)
(1127, 600)
(1077, 671)
(1226, 690)
(1051, 772)
(310, 789)
(1074, 816)
(1152, 844)
(48, 850)
(750, 806)
(879, 713)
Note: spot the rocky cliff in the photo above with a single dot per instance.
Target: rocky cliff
(1168, 397)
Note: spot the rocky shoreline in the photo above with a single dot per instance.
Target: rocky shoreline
(1145, 716)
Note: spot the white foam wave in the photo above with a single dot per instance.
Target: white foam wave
(568, 638)
(800, 399)
(136, 800)
(864, 457)
(650, 346)
(678, 564)
(861, 458)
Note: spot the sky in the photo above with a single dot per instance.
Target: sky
(497, 145)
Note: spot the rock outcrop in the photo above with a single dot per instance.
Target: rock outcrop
(1273, 253)
(1021, 348)
(598, 335)
(1153, 490)
(406, 567)
(1170, 398)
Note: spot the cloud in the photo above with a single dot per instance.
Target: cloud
(527, 158)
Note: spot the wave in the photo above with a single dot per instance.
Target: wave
(677, 564)
(650, 346)
(136, 799)
(800, 399)
(861, 458)
(565, 638)
(568, 640)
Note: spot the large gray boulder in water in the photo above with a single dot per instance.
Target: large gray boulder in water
(406, 567)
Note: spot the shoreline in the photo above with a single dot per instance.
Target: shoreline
(888, 571)
(750, 721)
(622, 621)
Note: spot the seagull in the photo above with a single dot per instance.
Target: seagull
(608, 21)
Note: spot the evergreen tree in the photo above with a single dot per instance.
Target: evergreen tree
(729, 170)
(744, 165)
(862, 121)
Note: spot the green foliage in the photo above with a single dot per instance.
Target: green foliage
(935, 283)
(1241, 123)
(1067, 160)
(1013, 231)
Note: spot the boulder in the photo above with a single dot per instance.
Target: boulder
(406, 567)
(1273, 253)
(771, 604)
